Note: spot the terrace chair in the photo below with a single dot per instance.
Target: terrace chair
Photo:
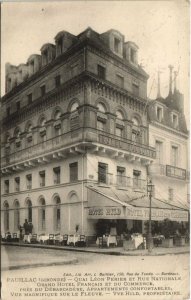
(15, 238)
(102, 242)
(57, 239)
(34, 239)
(8, 237)
(82, 241)
(65, 239)
(51, 239)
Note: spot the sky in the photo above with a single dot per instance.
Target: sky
(159, 28)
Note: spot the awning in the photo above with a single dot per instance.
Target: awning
(112, 203)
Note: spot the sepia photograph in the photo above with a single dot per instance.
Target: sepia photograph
(95, 168)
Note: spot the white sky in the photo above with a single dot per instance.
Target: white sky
(159, 28)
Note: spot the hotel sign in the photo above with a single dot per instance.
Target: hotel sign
(135, 213)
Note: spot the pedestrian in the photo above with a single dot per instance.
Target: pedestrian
(26, 227)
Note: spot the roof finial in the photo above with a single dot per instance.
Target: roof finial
(170, 80)
(175, 76)
(158, 91)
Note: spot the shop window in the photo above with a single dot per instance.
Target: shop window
(16, 215)
(29, 181)
(101, 71)
(43, 90)
(117, 45)
(29, 98)
(56, 172)
(102, 172)
(6, 186)
(6, 217)
(42, 178)
(73, 172)
(57, 81)
(120, 81)
(159, 146)
(17, 184)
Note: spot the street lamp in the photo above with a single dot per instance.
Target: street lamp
(149, 191)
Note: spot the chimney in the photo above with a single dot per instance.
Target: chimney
(158, 92)
(175, 76)
(170, 81)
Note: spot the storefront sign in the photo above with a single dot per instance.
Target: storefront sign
(135, 213)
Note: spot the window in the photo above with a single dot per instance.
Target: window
(29, 181)
(32, 66)
(29, 96)
(6, 216)
(56, 172)
(174, 120)
(57, 81)
(102, 172)
(101, 72)
(43, 90)
(170, 194)
(57, 213)
(135, 89)
(42, 178)
(17, 184)
(174, 156)
(116, 45)
(16, 216)
(120, 81)
(45, 57)
(18, 105)
(6, 186)
(42, 214)
(100, 125)
(159, 112)
(119, 131)
(132, 55)
(59, 43)
(29, 208)
(8, 111)
(136, 179)
(121, 176)
(73, 172)
(158, 146)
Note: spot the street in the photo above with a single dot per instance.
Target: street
(71, 280)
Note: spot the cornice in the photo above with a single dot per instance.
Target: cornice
(180, 133)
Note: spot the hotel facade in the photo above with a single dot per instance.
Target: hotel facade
(80, 139)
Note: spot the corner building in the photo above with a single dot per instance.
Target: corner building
(75, 148)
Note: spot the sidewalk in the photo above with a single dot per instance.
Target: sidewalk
(109, 251)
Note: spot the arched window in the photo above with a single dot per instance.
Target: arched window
(42, 214)
(101, 117)
(17, 134)
(119, 130)
(29, 133)
(74, 106)
(42, 130)
(16, 215)
(57, 123)
(29, 210)
(57, 212)
(135, 130)
(6, 216)
(74, 116)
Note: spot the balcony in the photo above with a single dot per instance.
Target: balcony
(169, 171)
(89, 137)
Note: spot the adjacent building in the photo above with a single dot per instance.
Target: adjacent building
(77, 146)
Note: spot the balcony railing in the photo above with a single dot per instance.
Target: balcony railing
(75, 136)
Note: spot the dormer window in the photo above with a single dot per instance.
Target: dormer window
(32, 66)
(116, 45)
(159, 113)
(174, 120)
(59, 43)
(133, 55)
(45, 57)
